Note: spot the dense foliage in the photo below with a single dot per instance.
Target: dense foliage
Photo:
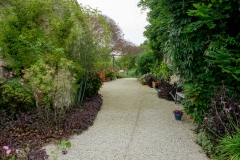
(15, 97)
(126, 62)
(201, 43)
(144, 62)
(92, 84)
(54, 44)
(229, 146)
(224, 113)
(160, 71)
(221, 125)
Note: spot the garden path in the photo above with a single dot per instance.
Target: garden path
(134, 124)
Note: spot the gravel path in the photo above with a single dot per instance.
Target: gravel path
(134, 124)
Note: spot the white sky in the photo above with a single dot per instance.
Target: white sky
(126, 14)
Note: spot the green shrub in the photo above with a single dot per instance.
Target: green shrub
(114, 77)
(196, 100)
(144, 62)
(132, 72)
(53, 88)
(204, 140)
(90, 84)
(118, 75)
(108, 73)
(16, 96)
(160, 71)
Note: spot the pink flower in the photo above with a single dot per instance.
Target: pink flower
(21, 81)
(11, 74)
(5, 147)
(17, 151)
(228, 109)
(38, 91)
(8, 151)
(0, 68)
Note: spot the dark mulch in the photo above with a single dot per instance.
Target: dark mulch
(35, 129)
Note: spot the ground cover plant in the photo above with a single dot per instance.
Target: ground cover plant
(219, 134)
(224, 114)
(35, 128)
(229, 146)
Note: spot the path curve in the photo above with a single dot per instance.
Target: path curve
(134, 124)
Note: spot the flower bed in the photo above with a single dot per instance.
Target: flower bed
(35, 129)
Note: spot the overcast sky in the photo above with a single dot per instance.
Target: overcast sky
(125, 13)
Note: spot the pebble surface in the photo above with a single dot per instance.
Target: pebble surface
(134, 124)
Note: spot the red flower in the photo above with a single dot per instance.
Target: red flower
(178, 112)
